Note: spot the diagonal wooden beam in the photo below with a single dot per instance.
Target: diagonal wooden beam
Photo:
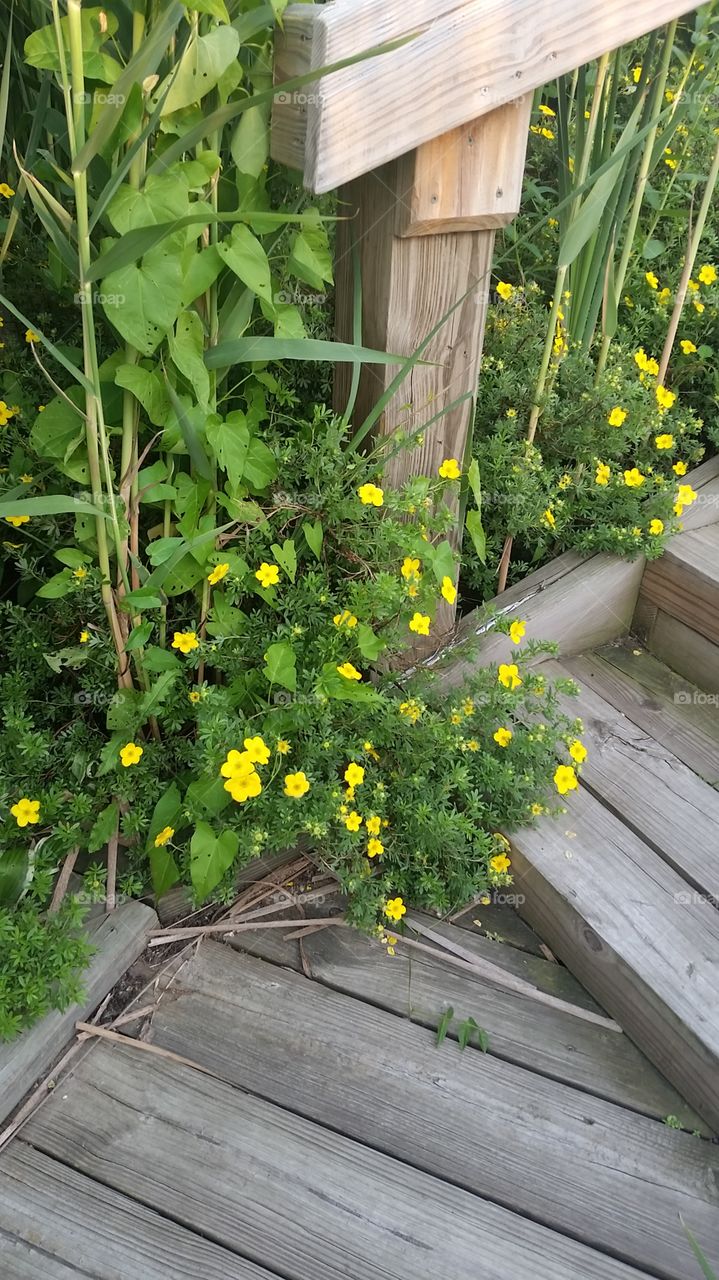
(461, 59)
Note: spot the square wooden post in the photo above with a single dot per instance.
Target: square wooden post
(424, 227)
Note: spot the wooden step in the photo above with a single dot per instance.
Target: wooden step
(684, 582)
(685, 651)
(296, 1197)
(537, 1147)
(666, 705)
(635, 934)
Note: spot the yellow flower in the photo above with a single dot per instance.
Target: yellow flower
(450, 468)
(636, 74)
(349, 672)
(663, 296)
(670, 162)
(503, 737)
(185, 641)
(512, 413)
(505, 292)
(371, 495)
(537, 808)
(633, 478)
(410, 568)
(500, 863)
(698, 306)
(26, 812)
(353, 821)
(680, 468)
(651, 279)
(578, 751)
(508, 675)
(548, 518)
(411, 710)
(665, 398)
(84, 637)
(283, 747)
(545, 110)
(244, 787)
(665, 441)
(656, 527)
(163, 836)
(130, 754)
(345, 619)
(257, 751)
(16, 521)
(687, 346)
(449, 591)
(31, 336)
(6, 190)
(686, 495)
(26, 479)
(394, 909)
(374, 848)
(617, 416)
(517, 630)
(373, 824)
(468, 707)
(218, 573)
(354, 774)
(707, 274)
(692, 286)
(80, 573)
(237, 765)
(455, 718)
(603, 473)
(193, 695)
(268, 575)
(553, 223)
(419, 623)
(296, 784)
(369, 748)
(565, 779)
(565, 482)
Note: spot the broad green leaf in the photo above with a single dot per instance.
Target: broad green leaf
(167, 813)
(280, 665)
(143, 301)
(475, 529)
(314, 535)
(200, 270)
(147, 388)
(287, 321)
(474, 483)
(230, 441)
(250, 142)
(369, 644)
(14, 865)
(260, 465)
(444, 1024)
(189, 420)
(286, 557)
(139, 636)
(207, 794)
(163, 869)
(72, 557)
(156, 659)
(242, 350)
(332, 685)
(151, 701)
(98, 26)
(103, 828)
(56, 587)
(186, 348)
(141, 599)
(203, 62)
(442, 560)
(210, 857)
(244, 255)
(311, 257)
(216, 8)
(653, 248)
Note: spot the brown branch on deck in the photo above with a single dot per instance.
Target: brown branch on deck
(63, 881)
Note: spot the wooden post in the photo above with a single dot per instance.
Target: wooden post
(424, 227)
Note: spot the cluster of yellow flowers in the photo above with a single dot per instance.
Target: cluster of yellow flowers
(243, 782)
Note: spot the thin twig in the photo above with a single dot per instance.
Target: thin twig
(63, 881)
(144, 1046)
(160, 937)
(110, 898)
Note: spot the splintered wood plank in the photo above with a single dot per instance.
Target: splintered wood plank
(57, 1223)
(675, 712)
(664, 802)
(296, 1198)
(685, 580)
(626, 925)
(119, 938)
(501, 923)
(530, 1144)
(520, 1029)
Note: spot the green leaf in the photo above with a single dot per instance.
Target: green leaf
(143, 302)
(72, 557)
(207, 793)
(244, 255)
(140, 600)
(260, 465)
(280, 665)
(286, 557)
(167, 813)
(55, 588)
(163, 869)
(314, 535)
(53, 505)
(444, 1024)
(103, 828)
(230, 442)
(152, 700)
(250, 142)
(369, 644)
(186, 349)
(14, 867)
(97, 26)
(139, 636)
(201, 66)
(147, 388)
(157, 659)
(311, 257)
(332, 685)
(475, 529)
(210, 857)
(216, 8)
(474, 483)
(442, 561)
(242, 350)
(483, 1039)
(706, 1269)
(652, 248)
(187, 419)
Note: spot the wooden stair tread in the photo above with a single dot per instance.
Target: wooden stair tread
(625, 924)
(684, 582)
(290, 1195)
(669, 806)
(520, 1029)
(530, 1144)
(675, 712)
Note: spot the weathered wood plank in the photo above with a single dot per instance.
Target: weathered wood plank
(55, 1222)
(119, 939)
(533, 1146)
(679, 646)
(296, 1198)
(501, 924)
(656, 699)
(629, 929)
(665, 803)
(467, 58)
(520, 1029)
(684, 582)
